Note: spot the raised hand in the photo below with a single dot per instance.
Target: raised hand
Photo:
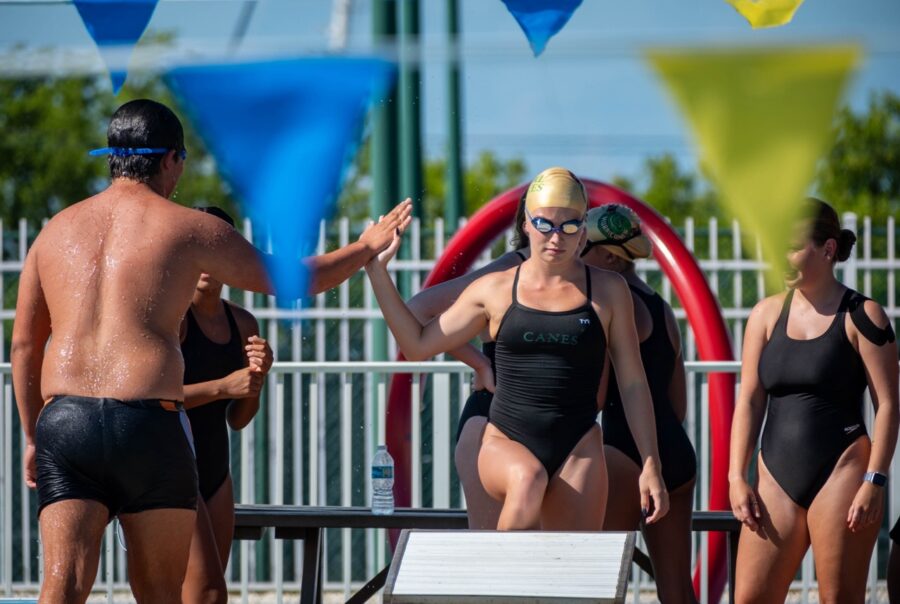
(379, 235)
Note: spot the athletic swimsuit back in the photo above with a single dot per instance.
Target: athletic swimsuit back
(205, 360)
(679, 462)
(815, 390)
(549, 366)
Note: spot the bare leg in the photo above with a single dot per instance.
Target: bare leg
(483, 510)
(893, 574)
(768, 559)
(669, 545)
(159, 542)
(623, 510)
(576, 497)
(221, 515)
(512, 474)
(842, 557)
(71, 534)
(204, 582)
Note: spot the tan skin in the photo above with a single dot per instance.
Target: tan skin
(483, 511)
(552, 279)
(843, 521)
(669, 540)
(114, 275)
(214, 529)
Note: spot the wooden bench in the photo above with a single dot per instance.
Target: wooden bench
(308, 522)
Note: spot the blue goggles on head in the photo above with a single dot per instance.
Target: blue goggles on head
(129, 151)
(546, 227)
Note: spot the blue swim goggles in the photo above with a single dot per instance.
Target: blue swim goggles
(542, 225)
(129, 151)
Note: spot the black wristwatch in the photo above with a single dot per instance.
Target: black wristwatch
(876, 478)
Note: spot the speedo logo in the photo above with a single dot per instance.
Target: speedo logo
(550, 337)
(849, 429)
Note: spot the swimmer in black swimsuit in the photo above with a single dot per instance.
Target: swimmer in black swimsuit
(225, 364)
(482, 510)
(615, 241)
(808, 357)
(542, 453)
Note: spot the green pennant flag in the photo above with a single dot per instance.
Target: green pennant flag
(766, 13)
(761, 118)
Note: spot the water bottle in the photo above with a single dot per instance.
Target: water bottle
(382, 482)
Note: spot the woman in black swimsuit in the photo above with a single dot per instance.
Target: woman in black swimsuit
(615, 241)
(542, 452)
(225, 363)
(808, 357)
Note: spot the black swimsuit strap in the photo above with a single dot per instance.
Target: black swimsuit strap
(786, 310)
(232, 324)
(515, 297)
(587, 277)
(194, 327)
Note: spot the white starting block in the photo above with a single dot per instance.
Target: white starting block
(472, 567)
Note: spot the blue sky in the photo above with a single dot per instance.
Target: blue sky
(589, 102)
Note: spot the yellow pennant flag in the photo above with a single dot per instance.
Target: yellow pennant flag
(761, 119)
(766, 13)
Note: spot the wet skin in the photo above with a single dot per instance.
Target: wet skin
(111, 277)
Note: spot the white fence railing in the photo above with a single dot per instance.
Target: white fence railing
(323, 423)
(338, 325)
(326, 395)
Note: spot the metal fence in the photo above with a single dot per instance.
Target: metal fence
(323, 412)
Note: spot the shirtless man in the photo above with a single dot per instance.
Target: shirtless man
(110, 278)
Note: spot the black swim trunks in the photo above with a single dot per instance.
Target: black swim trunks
(131, 456)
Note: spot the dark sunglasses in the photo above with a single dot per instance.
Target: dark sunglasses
(546, 227)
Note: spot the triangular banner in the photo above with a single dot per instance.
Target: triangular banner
(761, 120)
(115, 26)
(282, 133)
(541, 19)
(766, 13)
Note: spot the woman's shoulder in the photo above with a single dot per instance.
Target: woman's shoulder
(245, 320)
(608, 283)
(869, 318)
(496, 278)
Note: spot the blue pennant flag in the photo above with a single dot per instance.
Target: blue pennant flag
(282, 133)
(541, 19)
(115, 25)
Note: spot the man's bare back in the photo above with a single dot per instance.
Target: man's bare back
(118, 271)
(101, 298)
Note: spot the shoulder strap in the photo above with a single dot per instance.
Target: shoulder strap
(877, 335)
(587, 282)
(515, 298)
(191, 328)
(520, 255)
(232, 324)
(653, 302)
(785, 310)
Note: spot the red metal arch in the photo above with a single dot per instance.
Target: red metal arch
(701, 307)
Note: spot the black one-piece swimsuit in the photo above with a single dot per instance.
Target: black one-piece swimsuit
(679, 462)
(549, 366)
(815, 390)
(205, 360)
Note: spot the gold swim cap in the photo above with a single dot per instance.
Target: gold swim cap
(618, 229)
(556, 188)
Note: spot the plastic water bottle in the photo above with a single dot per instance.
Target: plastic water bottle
(382, 482)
